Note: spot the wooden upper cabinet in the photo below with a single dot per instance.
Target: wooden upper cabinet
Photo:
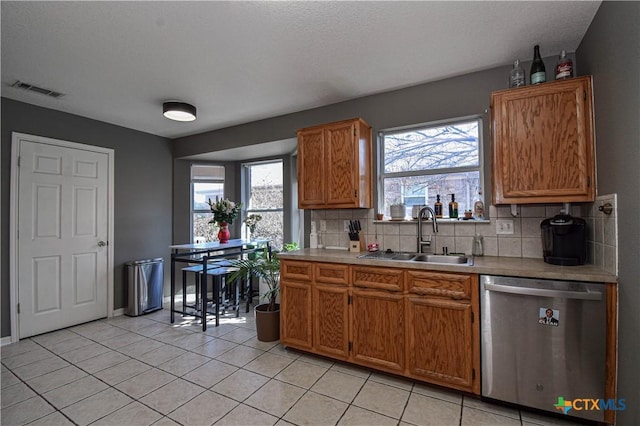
(334, 166)
(311, 158)
(543, 143)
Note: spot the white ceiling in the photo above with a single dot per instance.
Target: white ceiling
(242, 61)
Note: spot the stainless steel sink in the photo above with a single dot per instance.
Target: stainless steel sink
(403, 256)
(441, 258)
(455, 259)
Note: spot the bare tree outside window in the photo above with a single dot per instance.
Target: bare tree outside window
(264, 192)
(423, 162)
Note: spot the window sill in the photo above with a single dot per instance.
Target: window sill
(444, 220)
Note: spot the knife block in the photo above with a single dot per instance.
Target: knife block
(358, 246)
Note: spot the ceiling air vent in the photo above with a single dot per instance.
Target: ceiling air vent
(26, 86)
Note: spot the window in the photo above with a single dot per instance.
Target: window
(421, 162)
(263, 195)
(207, 182)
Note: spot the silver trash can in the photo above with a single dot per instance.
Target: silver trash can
(145, 279)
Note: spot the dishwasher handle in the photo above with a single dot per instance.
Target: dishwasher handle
(531, 291)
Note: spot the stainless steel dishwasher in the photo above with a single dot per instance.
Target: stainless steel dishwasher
(543, 340)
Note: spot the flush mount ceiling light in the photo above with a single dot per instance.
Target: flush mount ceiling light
(179, 111)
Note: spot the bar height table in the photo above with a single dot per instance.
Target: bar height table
(202, 253)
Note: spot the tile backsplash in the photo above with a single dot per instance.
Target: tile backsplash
(457, 236)
(602, 234)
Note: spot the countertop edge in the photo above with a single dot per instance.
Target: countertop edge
(485, 265)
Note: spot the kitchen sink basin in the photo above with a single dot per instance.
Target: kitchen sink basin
(452, 259)
(441, 258)
(403, 256)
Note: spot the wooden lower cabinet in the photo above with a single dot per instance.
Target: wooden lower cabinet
(378, 329)
(440, 342)
(443, 329)
(331, 320)
(296, 314)
(418, 324)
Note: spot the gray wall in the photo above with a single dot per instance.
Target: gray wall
(610, 51)
(445, 99)
(182, 196)
(142, 186)
(233, 191)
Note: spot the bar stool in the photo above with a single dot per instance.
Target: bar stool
(197, 270)
(223, 290)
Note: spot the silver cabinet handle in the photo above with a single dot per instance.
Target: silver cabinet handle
(529, 291)
(101, 243)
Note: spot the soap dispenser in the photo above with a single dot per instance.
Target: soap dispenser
(453, 207)
(437, 207)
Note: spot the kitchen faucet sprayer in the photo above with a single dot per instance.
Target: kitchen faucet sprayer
(422, 215)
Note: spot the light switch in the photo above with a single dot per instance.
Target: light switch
(504, 226)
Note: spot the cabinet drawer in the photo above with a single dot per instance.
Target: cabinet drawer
(454, 286)
(379, 278)
(331, 273)
(296, 270)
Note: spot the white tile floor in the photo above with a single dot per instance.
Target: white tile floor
(144, 371)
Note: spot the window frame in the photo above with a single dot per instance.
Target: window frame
(246, 192)
(382, 175)
(192, 183)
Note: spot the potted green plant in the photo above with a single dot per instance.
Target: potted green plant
(266, 267)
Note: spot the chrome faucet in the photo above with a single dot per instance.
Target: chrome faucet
(422, 215)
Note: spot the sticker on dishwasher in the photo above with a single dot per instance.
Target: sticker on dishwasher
(548, 316)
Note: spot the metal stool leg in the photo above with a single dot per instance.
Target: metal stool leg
(184, 291)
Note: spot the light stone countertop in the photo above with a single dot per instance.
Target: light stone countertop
(488, 265)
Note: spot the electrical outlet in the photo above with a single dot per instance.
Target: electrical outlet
(345, 226)
(504, 226)
(323, 226)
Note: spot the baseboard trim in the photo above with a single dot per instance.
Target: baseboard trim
(5, 340)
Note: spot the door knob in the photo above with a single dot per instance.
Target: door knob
(101, 244)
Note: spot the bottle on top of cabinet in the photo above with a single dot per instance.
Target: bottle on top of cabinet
(437, 207)
(453, 207)
(516, 77)
(564, 68)
(538, 73)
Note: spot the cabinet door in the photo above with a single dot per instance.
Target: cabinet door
(543, 145)
(331, 320)
(342, 188)
(311, 166)
(378, 329)
(296, 314)
(440, 342)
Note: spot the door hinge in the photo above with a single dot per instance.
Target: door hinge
(588, 181)
(473, 374)
(18, 309)
(19, 158)
(355, 193)
(585, 94)
(355, 132)
(350, 346)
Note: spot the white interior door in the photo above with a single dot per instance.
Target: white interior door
(62, 223)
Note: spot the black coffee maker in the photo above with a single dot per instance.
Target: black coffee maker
(564, 240)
